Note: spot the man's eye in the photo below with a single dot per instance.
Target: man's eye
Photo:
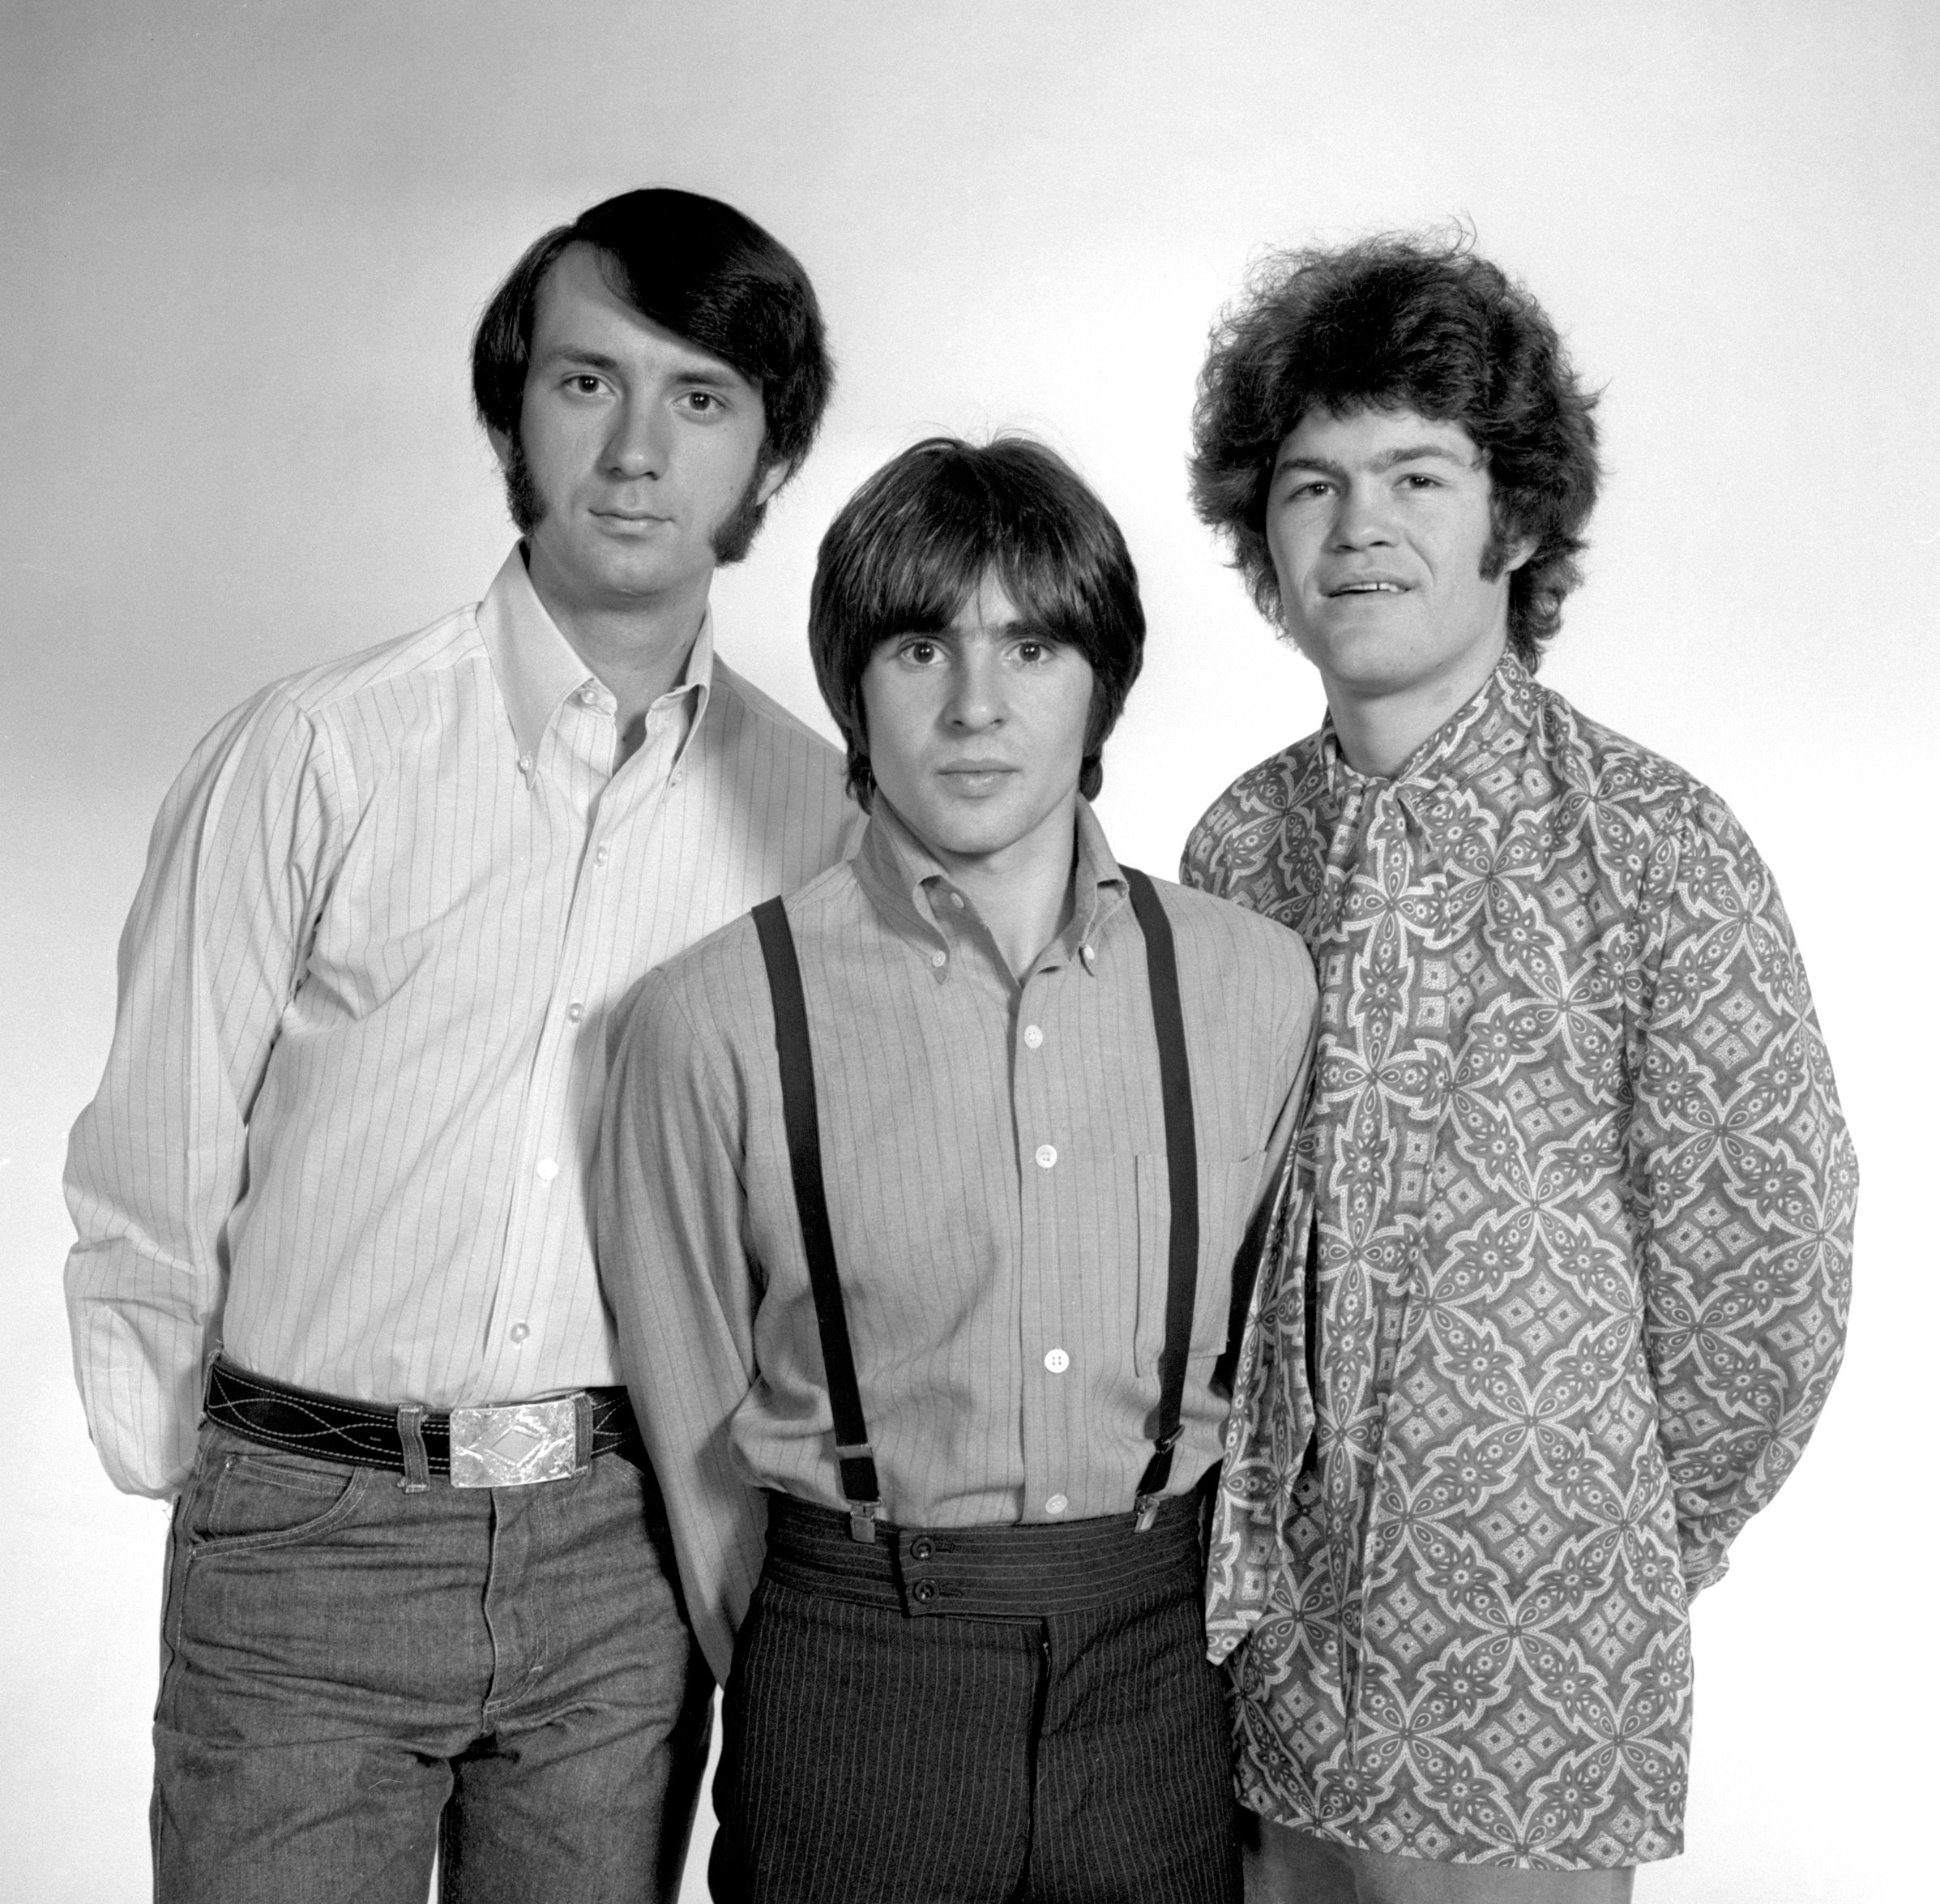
(1414, 480)
(703, 401)
(1033, 651)
(922, 652)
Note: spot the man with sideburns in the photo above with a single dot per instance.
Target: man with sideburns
(921, 1194)
(1571, 1245)
(335, 1290)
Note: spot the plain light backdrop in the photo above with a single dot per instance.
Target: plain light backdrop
(244, 247)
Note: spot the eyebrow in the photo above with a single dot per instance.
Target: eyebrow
(1380, 465)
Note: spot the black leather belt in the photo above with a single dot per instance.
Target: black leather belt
(510, 1446)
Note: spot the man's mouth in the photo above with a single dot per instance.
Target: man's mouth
(1376, 586)
(975, 776)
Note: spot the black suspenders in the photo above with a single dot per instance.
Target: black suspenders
(860, 1485)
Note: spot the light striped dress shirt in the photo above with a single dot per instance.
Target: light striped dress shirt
(349, 1114)
(995, 1157)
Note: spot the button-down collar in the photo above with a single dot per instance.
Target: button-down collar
(536, 668)
(904, 883)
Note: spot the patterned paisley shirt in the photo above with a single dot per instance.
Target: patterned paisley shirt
(1561, 1292)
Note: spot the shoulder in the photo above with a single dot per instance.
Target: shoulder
(714, 992)
(1269, 789)
(749, 716)
(1622, 777)
(450, 644)
(318, 699)
(1232, 946)
(1237, 831)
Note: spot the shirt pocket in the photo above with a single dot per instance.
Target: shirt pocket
(1228, 1192)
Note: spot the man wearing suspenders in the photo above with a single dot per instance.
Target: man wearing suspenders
(921, 1202)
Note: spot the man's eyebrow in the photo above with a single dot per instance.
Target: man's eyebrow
(1386, 460)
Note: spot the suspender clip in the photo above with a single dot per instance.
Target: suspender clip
(862, 1522)
(1145, 1511)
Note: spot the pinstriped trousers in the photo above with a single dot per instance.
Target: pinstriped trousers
(896, 1726)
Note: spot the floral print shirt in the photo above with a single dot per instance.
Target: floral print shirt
(1557, 1297)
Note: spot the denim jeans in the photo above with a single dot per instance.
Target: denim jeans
(353, 1676)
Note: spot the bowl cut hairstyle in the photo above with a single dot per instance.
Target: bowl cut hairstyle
(696, 267)
(910, 546)
(1403, 322)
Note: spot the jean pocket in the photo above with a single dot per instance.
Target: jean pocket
(245, 1496)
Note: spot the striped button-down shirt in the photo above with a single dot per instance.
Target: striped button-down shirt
(349, 1116)
(995, 1157)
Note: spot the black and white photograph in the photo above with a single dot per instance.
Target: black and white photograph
(968, 952)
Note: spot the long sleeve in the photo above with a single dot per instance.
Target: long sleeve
(1745, 1183)
(670, 1226)
(210, 958)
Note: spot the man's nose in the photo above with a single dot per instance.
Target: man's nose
(1361, 517)
(976, 698)
(636, 445)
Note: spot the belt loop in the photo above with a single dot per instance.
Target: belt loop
(410, 1432)
(582, 1426)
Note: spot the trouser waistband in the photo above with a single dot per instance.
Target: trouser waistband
(1023, 1573)
(512, 1445)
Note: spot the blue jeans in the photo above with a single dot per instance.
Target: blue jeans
(353, 1676)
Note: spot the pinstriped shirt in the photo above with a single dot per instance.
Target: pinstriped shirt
(995, 1157)
(349, 1112)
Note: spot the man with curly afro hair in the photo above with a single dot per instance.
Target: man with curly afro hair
(1566, 1280)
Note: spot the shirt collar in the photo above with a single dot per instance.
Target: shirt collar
(536, 667)
(1496, 720)
(903, 880)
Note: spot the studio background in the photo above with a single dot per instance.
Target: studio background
(245, 245)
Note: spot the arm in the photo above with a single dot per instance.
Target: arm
(669, 1224)
(1270, 1421)
(1744, 1180)
(210, 956)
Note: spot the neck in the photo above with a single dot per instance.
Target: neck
(639, 650)
(1379, 727)
(1024, 894)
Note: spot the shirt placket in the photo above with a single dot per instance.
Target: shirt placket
(1042, 1119)
(604, 813)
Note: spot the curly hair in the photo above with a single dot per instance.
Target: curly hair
(1402, 322)
(697, 268)
(910, 546)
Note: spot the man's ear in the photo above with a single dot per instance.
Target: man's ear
(501, 446)
(1519, 552)
(772, 479)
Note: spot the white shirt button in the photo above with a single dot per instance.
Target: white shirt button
(549, 1169)
(1058, 1361)
(576, 1011)
(1056, 1504)
(956, 898)
(601, 857)
(1047, 1155)
(519, 1331)
(1089, 954)
(939, 959)
(1033, 1036)
(525, 764)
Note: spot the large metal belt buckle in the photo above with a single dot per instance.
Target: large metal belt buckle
(516, 1446)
